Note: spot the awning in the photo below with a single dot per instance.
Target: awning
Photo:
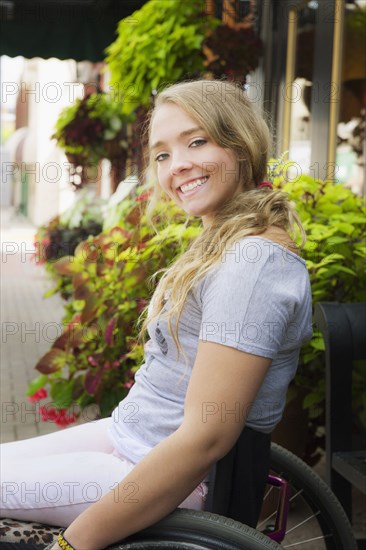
(65, 29)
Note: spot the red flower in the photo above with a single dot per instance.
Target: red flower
(60, 417)
(47, 413)
(63, 419)
(40, 394)
(144, 196)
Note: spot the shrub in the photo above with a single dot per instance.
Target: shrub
(63, 233)
(94, 360)
(335, 251)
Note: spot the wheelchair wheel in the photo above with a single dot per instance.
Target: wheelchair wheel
(193, 530)
(316, 519)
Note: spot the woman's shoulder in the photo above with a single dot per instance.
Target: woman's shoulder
(270, 259)
(271, 244)
(280, 237)
(270, 256)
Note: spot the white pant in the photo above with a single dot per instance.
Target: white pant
(55, 477)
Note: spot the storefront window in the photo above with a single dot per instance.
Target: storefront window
(299, 85)
(303, 87)
(350, 156)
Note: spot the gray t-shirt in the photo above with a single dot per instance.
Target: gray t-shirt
(256, 299)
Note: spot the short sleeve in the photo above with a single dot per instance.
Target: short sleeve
(257, 299)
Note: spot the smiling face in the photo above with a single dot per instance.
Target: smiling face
(192, 169)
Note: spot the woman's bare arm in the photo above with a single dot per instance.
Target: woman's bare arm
(223, 384)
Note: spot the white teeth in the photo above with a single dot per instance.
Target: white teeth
(193, 184)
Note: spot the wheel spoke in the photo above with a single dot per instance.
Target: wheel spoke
(313, 516)
(302, 522)
(264, 521)
(305, 541)
(296, 495)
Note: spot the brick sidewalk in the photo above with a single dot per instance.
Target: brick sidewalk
(29, 323)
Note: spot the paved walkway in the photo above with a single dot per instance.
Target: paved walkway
(29, 324)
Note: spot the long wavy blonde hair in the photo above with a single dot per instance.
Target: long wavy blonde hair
(223, 111)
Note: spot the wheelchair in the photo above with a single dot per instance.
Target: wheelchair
(304, 513)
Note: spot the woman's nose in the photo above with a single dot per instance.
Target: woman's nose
(179, 163)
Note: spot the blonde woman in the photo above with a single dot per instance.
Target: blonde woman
(225, 326)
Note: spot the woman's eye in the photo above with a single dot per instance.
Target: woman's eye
(198, 142)
(161, 157)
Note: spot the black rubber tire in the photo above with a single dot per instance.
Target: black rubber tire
(193, 530)
(332, 519)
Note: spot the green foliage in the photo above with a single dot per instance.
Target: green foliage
(63, 233)
(95, 358)
(92, 128)
(335, 252)
(354, 51)
(6, 131)
(157, 45)
(86, 208)
(356, 21)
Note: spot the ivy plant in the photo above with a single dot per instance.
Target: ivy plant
(92, 128)
(93, 362)
(335, 252)
(61, 235)
(157, 45)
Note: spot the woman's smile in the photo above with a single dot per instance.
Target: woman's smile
(192, 186)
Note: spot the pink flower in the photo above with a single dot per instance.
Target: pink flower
(40, 394)
(92, 361)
